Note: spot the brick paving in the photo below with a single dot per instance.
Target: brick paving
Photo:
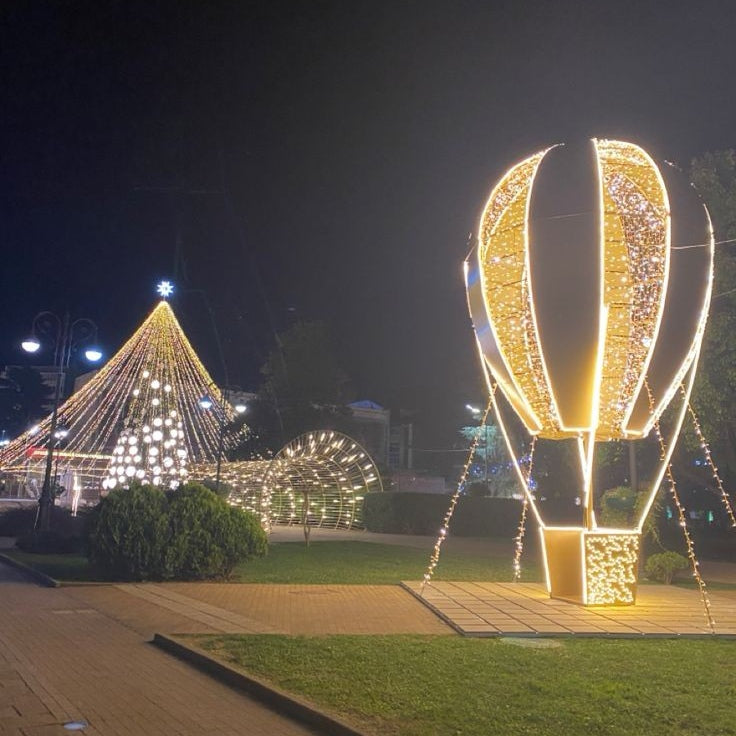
(260, 609)
(62, 659)
(525, 609)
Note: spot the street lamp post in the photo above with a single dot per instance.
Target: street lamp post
(67, 335)
(206, 402)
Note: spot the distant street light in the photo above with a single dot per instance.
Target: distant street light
(206, 402)
(67, 336)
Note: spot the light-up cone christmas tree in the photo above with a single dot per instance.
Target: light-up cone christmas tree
(154, 451)
(139, 414)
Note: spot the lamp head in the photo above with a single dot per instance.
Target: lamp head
(31, 344)
(61, 432)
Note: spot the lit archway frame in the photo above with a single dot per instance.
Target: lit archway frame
(589, 305)
(329, 469)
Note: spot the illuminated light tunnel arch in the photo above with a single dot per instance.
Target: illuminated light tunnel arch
(330, 469)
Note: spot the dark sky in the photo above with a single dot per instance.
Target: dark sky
(324, 160)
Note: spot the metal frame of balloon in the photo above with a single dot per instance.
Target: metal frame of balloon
(591, 565)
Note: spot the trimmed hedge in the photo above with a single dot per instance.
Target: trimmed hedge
(474, 516)
(66, 533)
(141, 533)
(15, 522)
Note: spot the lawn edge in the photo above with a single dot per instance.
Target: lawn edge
(262, 690)
(37, 575)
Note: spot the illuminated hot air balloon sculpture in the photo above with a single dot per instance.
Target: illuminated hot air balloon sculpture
(589, 314)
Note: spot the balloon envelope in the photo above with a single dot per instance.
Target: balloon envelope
(587, 308)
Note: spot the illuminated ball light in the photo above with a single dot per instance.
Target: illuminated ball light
(588, 299)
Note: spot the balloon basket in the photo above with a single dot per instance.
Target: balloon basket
(597, 567)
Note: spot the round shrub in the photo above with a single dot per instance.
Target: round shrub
(664, 565)
(143, 533)
(223, 490)
(208, 537)
(18, 522)
(129, 534)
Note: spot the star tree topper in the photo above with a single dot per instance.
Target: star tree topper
(165, 289)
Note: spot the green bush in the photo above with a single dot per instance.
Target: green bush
(404, 513)
(224, 490)
(129, 534)
(423, 513)
(18, 521)
(617, 507)
(664, 565)
(141, 533)
(478, 489)
(208, 537)
(49, 542)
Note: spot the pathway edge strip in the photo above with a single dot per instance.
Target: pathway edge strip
(437, 612)
(280, 701)
(37, 575)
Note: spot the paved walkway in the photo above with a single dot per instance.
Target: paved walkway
(63, 660)
(173, 608)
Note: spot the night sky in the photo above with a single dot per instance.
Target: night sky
(315, 160)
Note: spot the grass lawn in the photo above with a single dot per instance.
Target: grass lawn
(421, 685)
(324, 562)
(71, 567)
(371, 563)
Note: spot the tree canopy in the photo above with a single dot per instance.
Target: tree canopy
(22, 397)
(304, 385)
(714, 397)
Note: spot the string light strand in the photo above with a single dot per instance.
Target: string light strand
(519, 538)
(682, 518)
(709, 459)
(435, 556)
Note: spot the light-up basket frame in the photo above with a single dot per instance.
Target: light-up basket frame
(596, 568)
